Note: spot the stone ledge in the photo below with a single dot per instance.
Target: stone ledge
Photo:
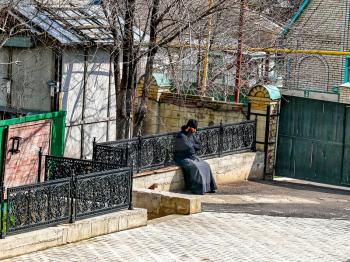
(157, 171)
(45, 238)
(161, 203)
(227, 169)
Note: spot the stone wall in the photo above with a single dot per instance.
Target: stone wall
(227, 169)
(170, 112)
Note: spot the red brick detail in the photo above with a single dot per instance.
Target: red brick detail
(22, 168)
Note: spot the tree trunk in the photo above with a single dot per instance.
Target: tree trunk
(152, 51)
(125, 96)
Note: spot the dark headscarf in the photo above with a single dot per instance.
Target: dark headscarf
(191, 123)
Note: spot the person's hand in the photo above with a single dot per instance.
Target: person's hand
(192, 130)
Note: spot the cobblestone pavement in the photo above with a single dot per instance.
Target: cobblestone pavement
(212, 236)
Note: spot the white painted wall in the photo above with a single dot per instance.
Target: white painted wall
(72, 102)
(98, 94)
(72, 84)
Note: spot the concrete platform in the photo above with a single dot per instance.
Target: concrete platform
(41, 239)
(162, 203)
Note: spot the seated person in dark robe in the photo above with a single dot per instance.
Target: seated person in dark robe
(198, 176)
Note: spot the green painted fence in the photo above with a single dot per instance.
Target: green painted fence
(314, 141)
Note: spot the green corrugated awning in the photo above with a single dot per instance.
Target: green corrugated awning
(274, 92)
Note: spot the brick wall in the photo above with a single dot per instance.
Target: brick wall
(344, 94)
(322, 26)
(22, 168)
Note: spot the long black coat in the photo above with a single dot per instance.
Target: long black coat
(198, 176)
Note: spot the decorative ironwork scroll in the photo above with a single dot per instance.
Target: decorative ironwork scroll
(62, 167)
(102, 192)
(238, 137)
(65, 200)
(156, 151)
(209, 139)
(37, 205)
(108, 154)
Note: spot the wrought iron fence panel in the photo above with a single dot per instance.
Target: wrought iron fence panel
(209, 139)
(62, 167)
(123, 152)
(102, 192)
(157, 151)
(238, 137)
(109, 154)
(37, 205)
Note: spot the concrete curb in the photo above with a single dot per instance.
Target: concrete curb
(24, 243)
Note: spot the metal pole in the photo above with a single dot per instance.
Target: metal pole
(221, 139)
(139, 148)
(254, 142)
(249, 110)
(94, 149)
(266, 144)
(240, 50)
(73, 192)
(130, 192)
(39, 164)
(267, 68)
(2, 210)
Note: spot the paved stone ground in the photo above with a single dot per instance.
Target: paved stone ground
(215, 237)
(280, 198)
(250, 221)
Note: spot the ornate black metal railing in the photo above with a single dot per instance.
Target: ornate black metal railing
(64, 200)
(37, 205)
(62, 167)
(151, 152)
(101, 192)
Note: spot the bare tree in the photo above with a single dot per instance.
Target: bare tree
(164, 29)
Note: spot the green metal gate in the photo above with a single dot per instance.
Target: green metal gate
(314, 141)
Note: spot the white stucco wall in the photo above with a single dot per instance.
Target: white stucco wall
(98, 95)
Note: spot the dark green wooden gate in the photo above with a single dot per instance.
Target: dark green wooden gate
(314, 141)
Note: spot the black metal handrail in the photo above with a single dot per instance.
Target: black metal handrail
(155, 151)
(62, 167)
(64, 200)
